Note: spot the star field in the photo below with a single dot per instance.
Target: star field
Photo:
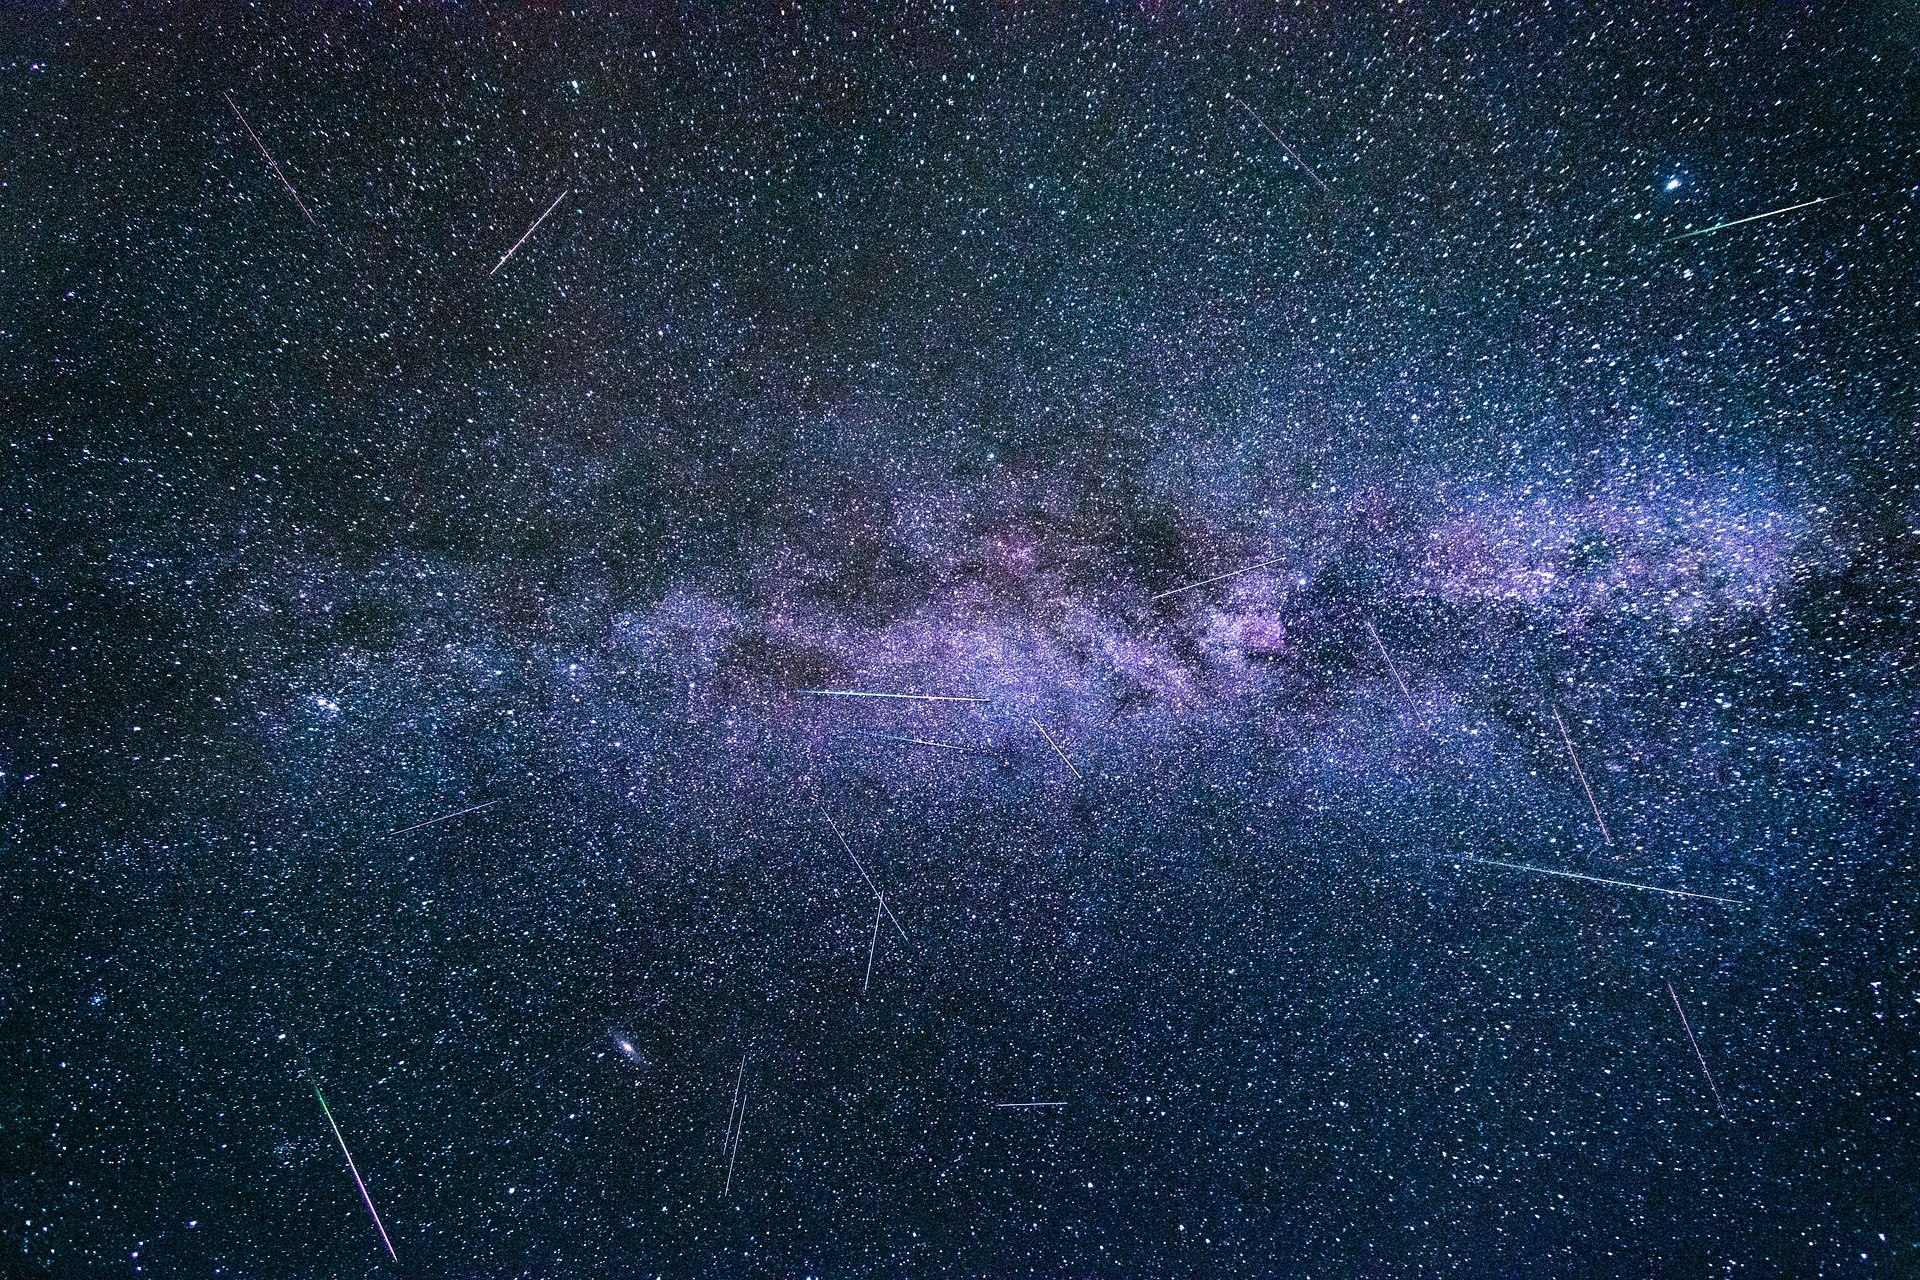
(1304, 442)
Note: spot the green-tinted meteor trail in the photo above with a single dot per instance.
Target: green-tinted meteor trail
(354, 1169)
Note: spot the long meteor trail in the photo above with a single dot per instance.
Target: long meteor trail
(863, 872)
(444, 817)
(1291, 153)
(1218, 577)
(1056, 748)
(1029, 1104)
(1696, 1052)
(872, 943)
(739, 1125)
(904, 697)
(327, 1111)
(1581, 774)
(267, 155)
(1578, 875)
(530, 230)
(1771, 213)
(733, 1110)
(1396, 673)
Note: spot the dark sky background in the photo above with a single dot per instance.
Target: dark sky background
(920, 354)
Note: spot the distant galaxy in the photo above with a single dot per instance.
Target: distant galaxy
(979, 640)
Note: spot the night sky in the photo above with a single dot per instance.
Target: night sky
(405, 663)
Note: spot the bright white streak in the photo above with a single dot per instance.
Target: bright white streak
(355, 1170)
(918, 742)
(727, 1138)
(1396, 672)
(736, 1147)
(863, 872)
(1056, 747)
(1291, 154)
(530, 230)
(268, 156)
(1582, 775)
(872, 943)
(1578, 875)
(1771, 213)
(904, 697)
(1218, 577)
(443, 817)
(1696, 1052)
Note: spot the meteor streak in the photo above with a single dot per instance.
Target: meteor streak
(872, 943)
(1056, 747)
(1029, 1104)
(1577, 875)
(1771, 213)
(530, 230)
(733, 1109)
(863, 872)
(325, 1110)
(268, 157)
(1582, 775)
(1696, 1052)
(443, 817)
(1219, 577)
(737, 1128)
(1396, 673)
(918, 742)
(905, 697)
(1291, 154)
